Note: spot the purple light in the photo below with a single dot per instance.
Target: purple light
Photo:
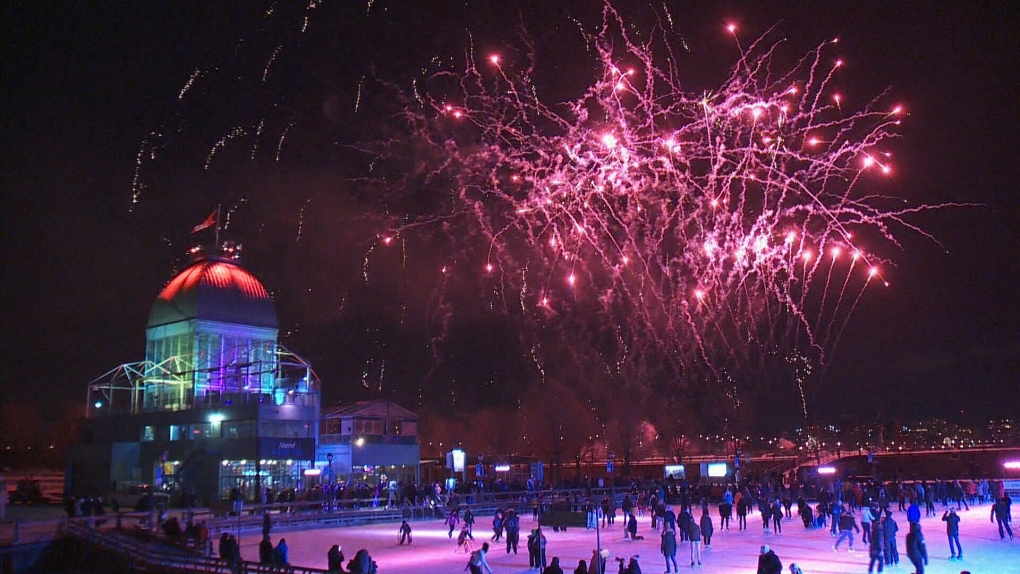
(826, 470)
(1011, 465)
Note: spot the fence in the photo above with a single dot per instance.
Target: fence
(154, 558)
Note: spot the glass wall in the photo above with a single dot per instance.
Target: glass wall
(276, 475)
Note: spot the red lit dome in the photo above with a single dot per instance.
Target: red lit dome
(214, 289)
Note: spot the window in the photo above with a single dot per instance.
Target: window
(178, 432)
(148, 433)
(238, 429)
(200, 431)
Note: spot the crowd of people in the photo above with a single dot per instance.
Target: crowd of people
(684, 518)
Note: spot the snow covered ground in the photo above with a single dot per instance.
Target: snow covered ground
(732, 552)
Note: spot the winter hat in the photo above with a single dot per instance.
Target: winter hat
(765, 548)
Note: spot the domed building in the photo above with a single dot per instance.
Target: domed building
(218, 404)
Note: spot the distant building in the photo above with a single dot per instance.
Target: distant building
(218, 403)
(370, 441)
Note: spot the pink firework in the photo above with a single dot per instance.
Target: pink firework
(693, 225)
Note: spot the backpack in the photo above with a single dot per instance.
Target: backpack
(476, 558)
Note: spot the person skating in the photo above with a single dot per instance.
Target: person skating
(917, 551)
(742, 513)
(452, 520)
(469, 521)
(777, 517)
(404, 533)
(725, 512)
(866, 518)
(876, 546)
(497, 525)
(1000, 514)
(582, 567)
(890, 528)
(707, 529)
(694, 533)
(847, 527)
(952, 521)
(477, 563)
(632, 528)
(512, 526)
(668, 548)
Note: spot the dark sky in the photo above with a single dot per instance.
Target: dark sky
(84, 84)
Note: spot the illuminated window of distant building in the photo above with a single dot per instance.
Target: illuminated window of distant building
(178, 432)
(148, 433)
(200, 431)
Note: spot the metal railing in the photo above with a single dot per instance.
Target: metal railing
(156, 558)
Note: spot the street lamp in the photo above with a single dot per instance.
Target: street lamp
(329, 481)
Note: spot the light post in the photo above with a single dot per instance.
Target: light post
(329, 481)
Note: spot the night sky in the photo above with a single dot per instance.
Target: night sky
(87, 84)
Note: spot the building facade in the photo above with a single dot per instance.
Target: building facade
(218, 404)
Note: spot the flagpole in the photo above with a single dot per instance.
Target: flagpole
(216, 246)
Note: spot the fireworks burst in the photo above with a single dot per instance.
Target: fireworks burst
(661, 231)
(712, 229)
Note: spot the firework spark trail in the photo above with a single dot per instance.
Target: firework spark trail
(235, 133)
(674, 210)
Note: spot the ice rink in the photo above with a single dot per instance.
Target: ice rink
(731, 552)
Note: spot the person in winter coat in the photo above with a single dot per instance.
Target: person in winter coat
(683, 523)
(477, 563)
(695, 535)
(742, 513)
(847, 526)
(469, 521)
(866, 518)
(281, 555)
(668, 548)
(707, 529)
(768, 562)
(777, 517)
(554, 567)
(265, 551)
(362, 563)
(631, 527)
(765, 509)
(404, 533)
(890, 528)
(335, 559)
(452, 520)
(582, 567)
(1000, 513)
(597, 565)
(512, 524)
(632, 566)
(807, 516)
(725, 513)
(532, 550)
(917, 551)
(669, 518)
(952, 521)
(876, 546)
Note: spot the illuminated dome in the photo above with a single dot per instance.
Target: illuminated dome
(214, 289)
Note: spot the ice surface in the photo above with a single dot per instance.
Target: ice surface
(732, 552)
